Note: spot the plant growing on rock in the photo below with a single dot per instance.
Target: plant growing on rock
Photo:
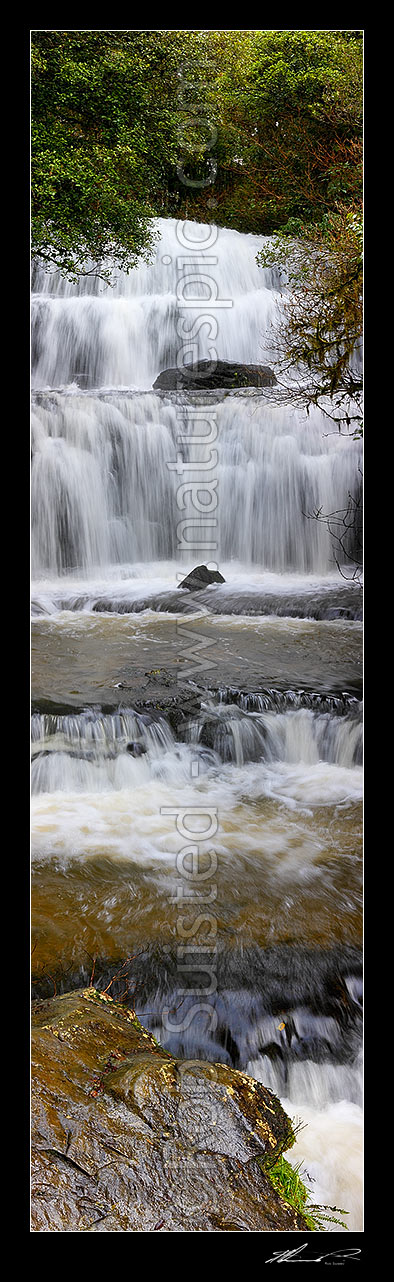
(286, 1179)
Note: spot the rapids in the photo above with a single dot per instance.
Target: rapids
(264, 732)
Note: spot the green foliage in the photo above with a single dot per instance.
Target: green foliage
(260, 130)
(103, 134)
(288, 111)
(287, 1181)
(265, 124)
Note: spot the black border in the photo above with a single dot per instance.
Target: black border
(377, 273)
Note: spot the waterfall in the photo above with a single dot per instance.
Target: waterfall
(241, 702)
(89, 752)
(94, 502)
(124, 333)
(100, 434)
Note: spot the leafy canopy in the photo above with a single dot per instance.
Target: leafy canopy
(103, 136)
(125, 126)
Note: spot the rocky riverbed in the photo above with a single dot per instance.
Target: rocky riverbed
(235, 710)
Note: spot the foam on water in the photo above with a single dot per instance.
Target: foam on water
(106, 505)
(330, 1149)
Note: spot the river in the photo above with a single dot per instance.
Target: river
(223, 726)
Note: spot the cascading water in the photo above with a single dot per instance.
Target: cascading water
(274, 741)
(94, 503)
(95, 454)
(122, 334)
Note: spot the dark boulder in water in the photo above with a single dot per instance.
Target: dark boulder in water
(215, 374)
(136, 749)
(200, 577)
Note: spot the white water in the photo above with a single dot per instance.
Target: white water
(327, 1100)
(331, 1151)
(94, 503)
(95, 453)
(124, 334)
(93, 802)
(299, 757)
(104, 522)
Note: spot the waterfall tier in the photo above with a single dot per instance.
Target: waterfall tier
(106, 485)
(115, 469)
(124, 333)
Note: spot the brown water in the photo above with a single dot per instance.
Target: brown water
(80, 658)
(280, 879)
(285, 788)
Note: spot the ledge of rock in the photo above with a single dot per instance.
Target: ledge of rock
(200, 577)
(126, 1138)
(215, 374)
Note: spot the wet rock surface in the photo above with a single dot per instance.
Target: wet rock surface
(200, 577)
(215, 374)
(342, 602)
(127, 1138)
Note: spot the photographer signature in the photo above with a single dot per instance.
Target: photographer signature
(285, 1257)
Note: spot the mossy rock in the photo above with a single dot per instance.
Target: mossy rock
(126, 1138)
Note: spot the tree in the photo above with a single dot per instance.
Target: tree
(317, 339)
(287, 106)
(345, 528)
(113, 113)
(103, 135)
